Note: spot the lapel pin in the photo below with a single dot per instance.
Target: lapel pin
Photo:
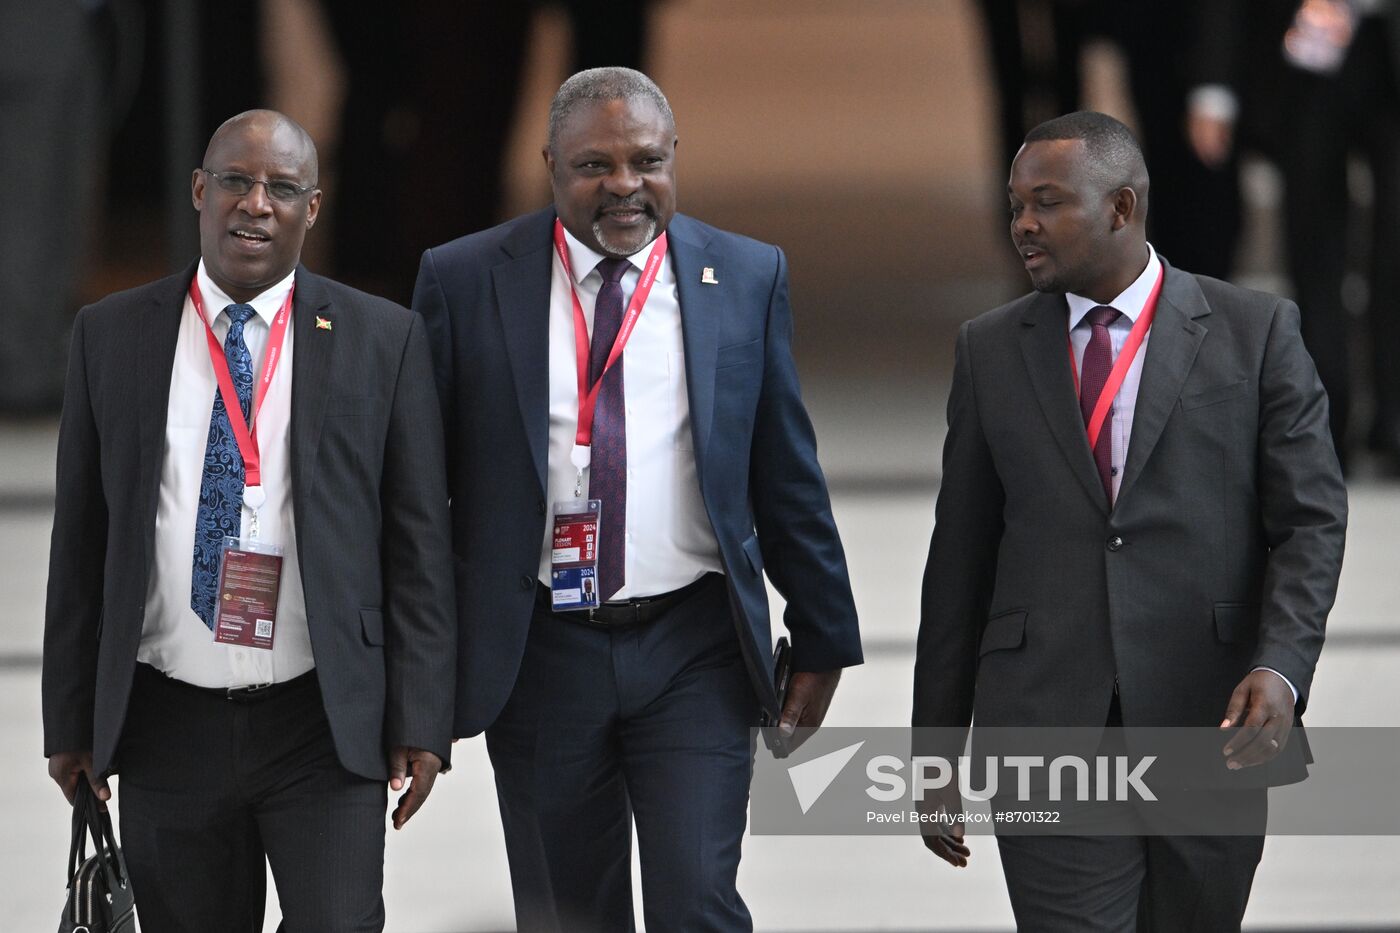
(323, 323)
(707, 276)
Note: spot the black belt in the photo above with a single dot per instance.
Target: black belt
(249, 694)
(627, 612)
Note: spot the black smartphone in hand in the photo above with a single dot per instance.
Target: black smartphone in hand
(782, 674)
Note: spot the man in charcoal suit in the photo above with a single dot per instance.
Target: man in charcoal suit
(1177, 571)
(248, 741)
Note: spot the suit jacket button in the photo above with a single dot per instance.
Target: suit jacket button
(541, 506)
(526, 582)
(1114, 543)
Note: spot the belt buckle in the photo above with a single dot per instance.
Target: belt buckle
(242, 693)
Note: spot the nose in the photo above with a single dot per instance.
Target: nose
(623, 181)
(256, 202)
(1024, 223)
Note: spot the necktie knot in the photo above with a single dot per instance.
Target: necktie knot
(612, 270)
(240, 314)
(1102, 316)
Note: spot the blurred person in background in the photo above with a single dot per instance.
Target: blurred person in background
(1319, 82)
(1037, 47)
(434, 87)
(54, 97)
(1035, 53)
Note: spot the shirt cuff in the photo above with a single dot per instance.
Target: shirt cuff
(1285, 680)
(1215, 101)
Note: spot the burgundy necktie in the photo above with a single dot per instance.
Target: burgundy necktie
(1098, 361)
(607, 478)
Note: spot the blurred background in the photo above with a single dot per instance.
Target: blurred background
(871, 140)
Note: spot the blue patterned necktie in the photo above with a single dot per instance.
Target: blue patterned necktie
(607, 474)
(221, 490)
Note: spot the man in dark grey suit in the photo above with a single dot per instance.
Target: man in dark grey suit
(255, 715)
(1176, 571)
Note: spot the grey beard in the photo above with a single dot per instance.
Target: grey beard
(620, 252)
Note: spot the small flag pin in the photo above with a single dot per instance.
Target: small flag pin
(707, 276)
(323, 323)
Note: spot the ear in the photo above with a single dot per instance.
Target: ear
(548, 161)
(197, 189)
(313, 208)
(1124, 202)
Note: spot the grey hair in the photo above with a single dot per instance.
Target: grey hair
(1115, 158)
(603, 84)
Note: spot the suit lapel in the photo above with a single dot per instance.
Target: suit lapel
(311, 358)
(159, 333)
(522, 298)
(1045, 349)
(1171, 349)
(691, 253)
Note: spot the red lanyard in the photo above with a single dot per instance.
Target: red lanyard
(1120, 365)
(588, 395)
(247, 440)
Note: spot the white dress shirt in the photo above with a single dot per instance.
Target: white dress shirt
(173, 639)
(670, 542)
(1131, 303)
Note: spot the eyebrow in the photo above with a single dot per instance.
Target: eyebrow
(293, 176)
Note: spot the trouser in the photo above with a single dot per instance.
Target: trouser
(213, 790)
(1163, 878)
(647, 722)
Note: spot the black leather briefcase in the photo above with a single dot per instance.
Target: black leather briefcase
(99, 889)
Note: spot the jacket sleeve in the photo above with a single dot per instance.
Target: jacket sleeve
(420, 602)
(77, 559)
(1302, 503)
(797, 535)
(961, 568)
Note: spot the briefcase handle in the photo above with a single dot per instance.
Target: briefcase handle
(90, 819)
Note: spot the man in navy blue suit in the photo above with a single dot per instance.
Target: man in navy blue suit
(624, 422)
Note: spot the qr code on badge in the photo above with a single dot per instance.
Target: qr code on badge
(262, 628)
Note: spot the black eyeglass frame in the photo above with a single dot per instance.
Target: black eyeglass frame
(225, 178)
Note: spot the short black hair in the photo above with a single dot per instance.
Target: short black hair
(1115, 158)
(603, 84)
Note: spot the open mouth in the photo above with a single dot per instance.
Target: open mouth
(625, 215)
(1033, 257)
(251, 238)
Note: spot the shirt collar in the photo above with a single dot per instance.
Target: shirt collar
(1130, 303)
(583, 261)
(266, 304)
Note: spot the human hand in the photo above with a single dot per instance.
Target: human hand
(1262, 708)
(67, 768)
(944, 837)
(808, 698)
(416, 768)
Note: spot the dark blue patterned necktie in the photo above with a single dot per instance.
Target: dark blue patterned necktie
(221, 490)
(607, 477)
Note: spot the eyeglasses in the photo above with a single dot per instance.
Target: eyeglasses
(236, 183)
